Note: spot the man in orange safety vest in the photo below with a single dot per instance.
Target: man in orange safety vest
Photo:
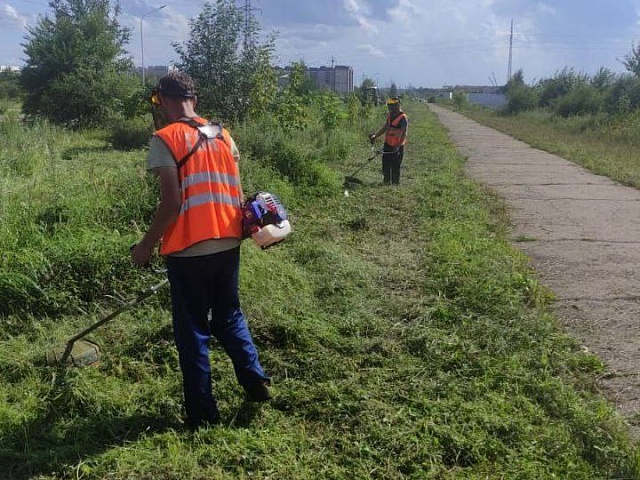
(395, 138)
(198, 224)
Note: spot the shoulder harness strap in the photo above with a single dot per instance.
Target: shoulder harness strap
(206, 131)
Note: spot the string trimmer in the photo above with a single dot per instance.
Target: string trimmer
(351, 179)
(79, 352)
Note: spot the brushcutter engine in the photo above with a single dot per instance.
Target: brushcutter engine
(265, 219)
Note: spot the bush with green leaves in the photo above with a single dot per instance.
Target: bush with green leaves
(520, 98)
(583, 99)
(131, 133)
(624, 95)
(10, 88)
(563, 82)
(459, 99)
(75, 70)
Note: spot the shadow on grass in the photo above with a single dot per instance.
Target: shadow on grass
(74, 152)
(55, 440)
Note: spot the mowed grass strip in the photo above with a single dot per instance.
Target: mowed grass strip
(405, 336)
(605, 144)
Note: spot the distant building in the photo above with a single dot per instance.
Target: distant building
(10, 68)
(491, 100)
(338, 79)
(343, 80)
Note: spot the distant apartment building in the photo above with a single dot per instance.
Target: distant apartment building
(10, 68)
(338, 79)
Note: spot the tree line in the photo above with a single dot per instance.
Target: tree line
(78, 71)
(570, 93)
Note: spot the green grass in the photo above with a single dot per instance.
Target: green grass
(606, 145)
(405, 336)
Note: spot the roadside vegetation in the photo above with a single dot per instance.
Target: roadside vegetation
(405, 336)
(591, 120)
(605, 144)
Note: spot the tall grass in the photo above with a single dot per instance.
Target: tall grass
(604, 144)
(405, 337)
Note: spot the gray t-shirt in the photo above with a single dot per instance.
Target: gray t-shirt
(160, 156)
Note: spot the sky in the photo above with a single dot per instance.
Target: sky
(409, 43)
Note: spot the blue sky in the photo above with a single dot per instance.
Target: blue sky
(408, 42)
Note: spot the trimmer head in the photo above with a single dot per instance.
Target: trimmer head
(78, 354)
(352, 181)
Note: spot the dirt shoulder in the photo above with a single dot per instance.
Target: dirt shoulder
(582, 235)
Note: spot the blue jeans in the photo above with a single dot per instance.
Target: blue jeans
(204, 296)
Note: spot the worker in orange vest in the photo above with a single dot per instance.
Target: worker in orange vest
(198, 224)
(395, 138)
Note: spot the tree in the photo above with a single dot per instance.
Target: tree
(290, 112)
(10, 86)
(368, 83)
(393, 90)
(76, 62)
(368, 93)
(624, 95)
(459, 99)
(520, 97)
(603, 79)
(561, 84)
(632, 60)
(232, 70)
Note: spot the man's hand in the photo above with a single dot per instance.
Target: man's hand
(372, 138)
(141, 254)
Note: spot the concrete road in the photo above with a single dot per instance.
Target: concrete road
(582, 233)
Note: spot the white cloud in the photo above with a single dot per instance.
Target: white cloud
(353, 9)
(406, 13)
(371, 50)
(545, 8)
(351, 6)
(10, 17)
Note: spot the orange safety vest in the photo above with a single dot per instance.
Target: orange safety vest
(209, 184)
(394, 132)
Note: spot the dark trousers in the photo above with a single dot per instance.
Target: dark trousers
(391, 163)
(204, 295)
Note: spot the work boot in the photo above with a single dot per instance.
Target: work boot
(194, 426)
(258, 392)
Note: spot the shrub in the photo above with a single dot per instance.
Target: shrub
(583, 99)
(520, 98)
(131, 134)
(459, 99)
(624, 95)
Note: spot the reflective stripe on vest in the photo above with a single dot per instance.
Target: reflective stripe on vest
(393, 137)
(210, 189)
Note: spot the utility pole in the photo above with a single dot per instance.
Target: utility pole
(510, 52)
(142, 40)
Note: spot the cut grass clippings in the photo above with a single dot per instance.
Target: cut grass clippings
(405, 336)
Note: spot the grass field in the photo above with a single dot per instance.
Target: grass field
(405, 336)
(603, 144)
